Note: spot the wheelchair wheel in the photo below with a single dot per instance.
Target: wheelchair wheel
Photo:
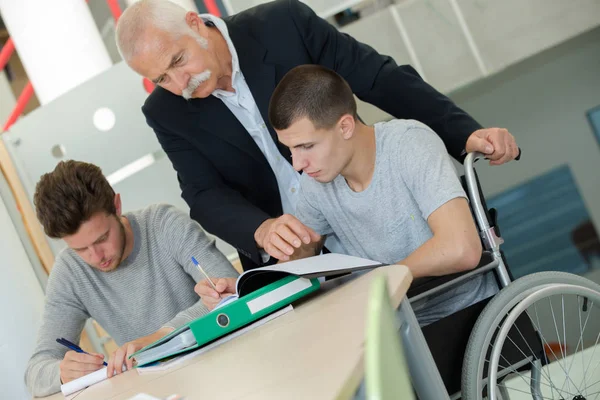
(546, 350)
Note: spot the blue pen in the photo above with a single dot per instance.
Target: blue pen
(197, 264)
(73, 347)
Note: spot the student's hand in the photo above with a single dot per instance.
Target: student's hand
(498, 145)
(210, 298)
(279, 237)
(120, 357)
(75, 365)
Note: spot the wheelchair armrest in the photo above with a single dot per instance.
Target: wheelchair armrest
(425, 284)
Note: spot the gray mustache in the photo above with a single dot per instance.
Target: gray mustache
(194, 82)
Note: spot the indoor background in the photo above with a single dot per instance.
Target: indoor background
(531, 66)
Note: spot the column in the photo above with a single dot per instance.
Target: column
(58, 43)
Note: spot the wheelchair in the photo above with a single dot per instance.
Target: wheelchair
(537, 338)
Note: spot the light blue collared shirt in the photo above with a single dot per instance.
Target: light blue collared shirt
(243, 106)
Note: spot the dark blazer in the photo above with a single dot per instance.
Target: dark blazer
(225, 179)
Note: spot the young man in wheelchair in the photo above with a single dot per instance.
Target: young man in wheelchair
(389, 191)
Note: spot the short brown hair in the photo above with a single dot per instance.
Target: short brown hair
(70, 195)
(314, 92)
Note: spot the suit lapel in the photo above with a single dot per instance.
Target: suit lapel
(214, 117)
(259, 75)
(261, 79)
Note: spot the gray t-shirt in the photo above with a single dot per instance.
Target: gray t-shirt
(387, 221)
(153, 287)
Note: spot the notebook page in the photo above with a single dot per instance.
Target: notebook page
(326, 264)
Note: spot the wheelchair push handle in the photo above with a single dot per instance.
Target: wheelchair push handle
(477, 156)
(473, 188)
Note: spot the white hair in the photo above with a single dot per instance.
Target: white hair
(161, 14)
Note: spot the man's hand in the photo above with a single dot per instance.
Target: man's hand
(498, 145)
(281, 236)
(75, 365)
(307, 250)
(120, 357)
(210, 298)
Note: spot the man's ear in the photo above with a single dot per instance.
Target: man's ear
(347, 125)
(194, 21)
(118, 204)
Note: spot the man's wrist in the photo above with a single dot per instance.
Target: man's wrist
(259, 233)
(153, 337)
(164, 331)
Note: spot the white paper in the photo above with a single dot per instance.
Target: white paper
(143, 396)
(178, 360)
(73, 395)
(177, 343)
(330, 262)
(85, 381)
(226, 301)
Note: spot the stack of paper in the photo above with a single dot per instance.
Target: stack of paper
(177, 343)
(165, 365)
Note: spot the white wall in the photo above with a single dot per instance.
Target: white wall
(21, 304)
(31, 140)
(7, 99)
(543, 102)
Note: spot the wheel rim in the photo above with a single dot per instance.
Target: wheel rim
(481, 383)
(583, 299)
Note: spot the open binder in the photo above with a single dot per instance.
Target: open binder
(260, 292)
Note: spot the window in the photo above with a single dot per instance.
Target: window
(545, 225)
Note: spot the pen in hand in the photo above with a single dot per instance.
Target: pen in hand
(74, 347)
(197, 264)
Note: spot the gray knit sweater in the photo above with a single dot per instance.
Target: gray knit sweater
(152, 288)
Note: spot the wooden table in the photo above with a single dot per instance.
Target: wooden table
(312, 352)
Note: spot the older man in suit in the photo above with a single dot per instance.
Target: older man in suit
(214, 80)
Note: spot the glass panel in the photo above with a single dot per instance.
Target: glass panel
(546, 226)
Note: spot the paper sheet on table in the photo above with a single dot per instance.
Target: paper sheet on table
(83, 382)
(143, 396)
(73, 395)
(165, 365)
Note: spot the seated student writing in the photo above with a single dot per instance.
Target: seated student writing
(389, 191)
(130, 272)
